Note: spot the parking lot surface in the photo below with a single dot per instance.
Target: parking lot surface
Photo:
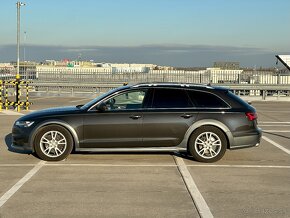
(250, 182)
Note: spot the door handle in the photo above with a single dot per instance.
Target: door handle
(186, 116)
(135, 117)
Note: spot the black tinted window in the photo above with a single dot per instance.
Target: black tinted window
(170, 98)
(204, 99)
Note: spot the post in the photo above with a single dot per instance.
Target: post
(1, 95)
(18, 4)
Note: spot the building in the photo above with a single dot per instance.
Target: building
(218, 75)
(224, 65)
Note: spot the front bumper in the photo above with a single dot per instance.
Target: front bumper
(20, 139)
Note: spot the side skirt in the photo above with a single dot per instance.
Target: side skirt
(148, 149)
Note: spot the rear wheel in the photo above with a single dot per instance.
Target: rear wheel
(53, 143)
(207, 144)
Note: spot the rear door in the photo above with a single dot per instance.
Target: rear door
(169, 115)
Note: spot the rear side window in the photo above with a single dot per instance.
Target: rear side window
(205, 99)
(170, 98)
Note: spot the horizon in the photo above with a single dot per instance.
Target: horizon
(176, 33)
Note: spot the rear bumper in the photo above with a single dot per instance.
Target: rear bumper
(250, 139)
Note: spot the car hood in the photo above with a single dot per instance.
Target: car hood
(51, 112)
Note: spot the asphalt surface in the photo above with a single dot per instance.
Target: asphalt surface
(252, 182)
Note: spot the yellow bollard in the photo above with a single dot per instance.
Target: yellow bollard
(1, 88)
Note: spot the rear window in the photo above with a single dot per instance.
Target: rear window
(237, 99)
(205, 99)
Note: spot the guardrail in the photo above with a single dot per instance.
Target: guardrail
(240, 89)
(95, 80)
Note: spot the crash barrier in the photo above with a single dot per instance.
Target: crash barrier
(18, 88)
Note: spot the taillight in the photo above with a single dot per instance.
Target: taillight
(251, 116)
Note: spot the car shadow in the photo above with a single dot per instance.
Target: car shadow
(8, 141)
(183, 155)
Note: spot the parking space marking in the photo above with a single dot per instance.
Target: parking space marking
(111, 165)
(276, 144)
(238, 166)
(147, 165)
(42, 98)
(8, 112)
(272, 130)
(274, 125)
(17, 165)
(199, 201)
(274, 111)
(274, 122)
(20, 183)
(80, 100)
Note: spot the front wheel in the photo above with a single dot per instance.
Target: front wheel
(53, 143)
(207, 144)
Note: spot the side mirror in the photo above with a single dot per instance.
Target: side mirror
(102, 107)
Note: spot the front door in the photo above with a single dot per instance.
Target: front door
(119, 125)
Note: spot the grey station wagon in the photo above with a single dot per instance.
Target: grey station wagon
(201, 120)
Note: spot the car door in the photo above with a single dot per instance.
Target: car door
(119, 125)
(167, 118)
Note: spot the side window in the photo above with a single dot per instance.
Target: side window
(126, 101)
(170, 98)
(205, 99)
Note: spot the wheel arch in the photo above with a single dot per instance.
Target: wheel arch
(210, 122)
(54, 122)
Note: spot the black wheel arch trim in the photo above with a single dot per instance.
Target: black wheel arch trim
(55, 122)
(210, 122)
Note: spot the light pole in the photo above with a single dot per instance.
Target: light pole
(24, 44)
(18, 5)
(17, 82)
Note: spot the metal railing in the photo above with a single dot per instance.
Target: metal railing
(95, 80)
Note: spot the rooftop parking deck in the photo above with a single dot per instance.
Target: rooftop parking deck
(252, 182)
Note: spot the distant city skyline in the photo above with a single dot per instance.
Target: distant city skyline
(163, 32)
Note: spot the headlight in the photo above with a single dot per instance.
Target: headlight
(24, 123)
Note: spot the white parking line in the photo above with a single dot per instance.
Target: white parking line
(42, 98)
(80, 100)
(199, 201)
(274, 125)
(273, 130)
(274, 122)
(274, 111)
(17, 165)
(238, 166)
(148, 165)
(276, 144)
(8, 112)
(20, 183)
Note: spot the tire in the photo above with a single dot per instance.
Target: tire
(207, 144)
(53, 143)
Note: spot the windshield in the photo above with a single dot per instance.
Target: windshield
(100, 97)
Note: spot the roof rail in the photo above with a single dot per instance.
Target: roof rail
(172, 84)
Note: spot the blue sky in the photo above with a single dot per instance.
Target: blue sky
(169, 32)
